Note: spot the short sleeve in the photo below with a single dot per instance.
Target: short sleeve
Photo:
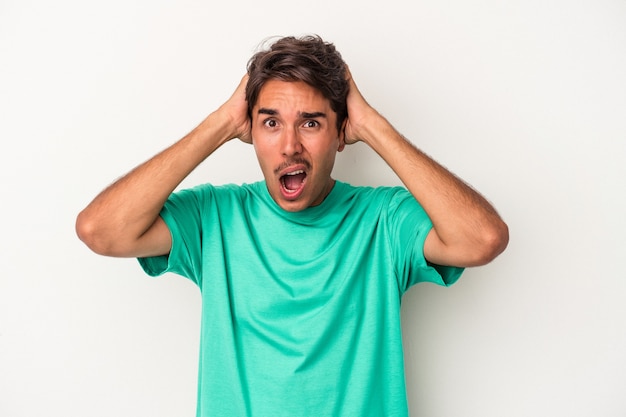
(182, 213)
(408, 225)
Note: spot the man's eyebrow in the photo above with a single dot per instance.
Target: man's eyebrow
(302, 115)
(314, 115)
(271, 112)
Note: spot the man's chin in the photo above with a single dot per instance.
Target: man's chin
(292, 206)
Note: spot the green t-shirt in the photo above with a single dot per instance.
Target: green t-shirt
(300, 311)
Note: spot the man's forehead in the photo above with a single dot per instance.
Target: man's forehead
(294, 96)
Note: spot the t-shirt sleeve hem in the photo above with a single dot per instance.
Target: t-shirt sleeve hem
(443, 275)
(448, 274)
(156, 266)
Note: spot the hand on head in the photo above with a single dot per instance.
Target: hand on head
(359, 111)
(235, 109)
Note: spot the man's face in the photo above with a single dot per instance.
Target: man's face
(295, 137)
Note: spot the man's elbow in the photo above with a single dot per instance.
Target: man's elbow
(91, 234)
(493, 242)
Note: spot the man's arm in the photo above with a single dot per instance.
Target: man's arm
(467, 231)
(123, 220)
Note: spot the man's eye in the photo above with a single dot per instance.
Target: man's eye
(270, 123)
(311, 123)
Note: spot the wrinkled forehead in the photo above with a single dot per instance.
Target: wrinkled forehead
(294, 99)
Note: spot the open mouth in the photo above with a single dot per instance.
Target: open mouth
(292, 182)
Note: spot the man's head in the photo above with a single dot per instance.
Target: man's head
(296, 95)
(309, 59)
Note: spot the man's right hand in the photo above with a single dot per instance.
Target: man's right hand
(235, 109)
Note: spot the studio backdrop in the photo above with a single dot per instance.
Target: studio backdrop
(524, 100)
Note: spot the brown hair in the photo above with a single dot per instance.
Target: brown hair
(309, 59)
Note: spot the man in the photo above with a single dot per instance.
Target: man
(301, 275)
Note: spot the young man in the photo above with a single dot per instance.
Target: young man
(301, 275)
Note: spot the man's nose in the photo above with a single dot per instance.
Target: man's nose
(290, 142)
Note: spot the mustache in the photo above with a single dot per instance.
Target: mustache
(293, 161)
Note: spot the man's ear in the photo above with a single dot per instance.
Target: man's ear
(342, 136)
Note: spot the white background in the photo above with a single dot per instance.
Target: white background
(525, 100)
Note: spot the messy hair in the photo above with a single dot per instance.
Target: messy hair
(309, 59)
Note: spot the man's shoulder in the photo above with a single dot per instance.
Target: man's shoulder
(369, 191)
(224, 189)
(212, 195)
